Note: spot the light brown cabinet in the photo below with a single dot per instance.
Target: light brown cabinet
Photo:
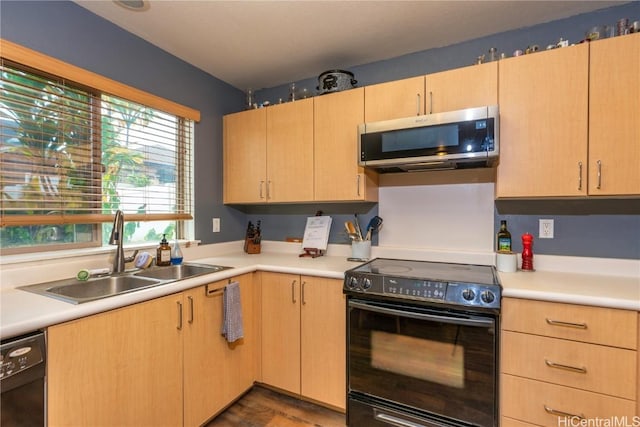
(268, 154)
(290, 152)
(338, 177)
(303, 336)
(215, 372)
(466, 87)
(151, 363)
(394, 100)
(570, 121)
(614, 116)
(245, 157)
(564, 360)
(543, 124)
(115, 369)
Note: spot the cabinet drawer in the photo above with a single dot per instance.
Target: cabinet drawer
(596, 325)
(597, 368)
(553, 405)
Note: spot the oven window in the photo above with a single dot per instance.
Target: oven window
(424, 359)
(436, 361)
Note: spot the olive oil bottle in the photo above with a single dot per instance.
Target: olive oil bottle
(504, 238)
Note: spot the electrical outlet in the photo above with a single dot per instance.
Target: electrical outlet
(546, 229)
(216, 225)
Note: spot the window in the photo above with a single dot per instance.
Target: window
(71, 155)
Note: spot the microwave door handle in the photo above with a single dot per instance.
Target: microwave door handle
(470, 321)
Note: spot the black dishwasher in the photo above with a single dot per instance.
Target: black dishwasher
(22, 380)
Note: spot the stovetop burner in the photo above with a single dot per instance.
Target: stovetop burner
(459, 284)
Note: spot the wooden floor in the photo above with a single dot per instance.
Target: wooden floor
(262, 407)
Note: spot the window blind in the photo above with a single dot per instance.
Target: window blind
(73, 155)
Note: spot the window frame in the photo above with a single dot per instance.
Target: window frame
(40, 64)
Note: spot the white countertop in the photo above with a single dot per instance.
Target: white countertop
(22, 312)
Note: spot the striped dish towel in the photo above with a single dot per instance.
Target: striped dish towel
(232, 325)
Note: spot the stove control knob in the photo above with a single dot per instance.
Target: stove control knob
(352, 282)
(366, 283)
(487, 296)
(468, 294)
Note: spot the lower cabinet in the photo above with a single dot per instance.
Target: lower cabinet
(162, 362)
(566, 364)
(303, 336)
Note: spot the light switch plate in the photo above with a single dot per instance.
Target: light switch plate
(216, 225)
(546, 229)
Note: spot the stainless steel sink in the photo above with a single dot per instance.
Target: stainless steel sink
(76, 291)
(179, 272)
(100, 288)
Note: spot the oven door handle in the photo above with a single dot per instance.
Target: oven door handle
(470, 321)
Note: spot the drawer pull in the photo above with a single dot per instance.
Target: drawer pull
(565, 367)
(566, 324)
(562, 413)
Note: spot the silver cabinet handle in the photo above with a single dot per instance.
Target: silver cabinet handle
(179, 327)
(562, 413)
(417, 104)
(293, 291)
(268, 185)
(430, 102)
(358, 185)
(302, 292)
(565, 367)
(190, 309)
(599, 163)
(579, 176)
(566, 324)
(261, 184)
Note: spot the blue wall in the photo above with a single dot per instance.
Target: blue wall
(66, 31)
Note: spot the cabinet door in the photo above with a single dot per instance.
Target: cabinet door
(245, 156)
(543, 124)
(614, 116)
(215, 372)
(323, 341)
(473, 86)
(290, 152)
(119, 368)
(281, 331)
(204, 352)
(394, 100)
(239, 356)
(337, 174)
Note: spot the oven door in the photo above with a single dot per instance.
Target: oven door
(432, 360)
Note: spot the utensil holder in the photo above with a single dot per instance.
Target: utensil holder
(250, 247)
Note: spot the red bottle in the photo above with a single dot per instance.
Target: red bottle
(527, 252)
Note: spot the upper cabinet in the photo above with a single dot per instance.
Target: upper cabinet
(290, 152)
(245, 157)
(473, 86)
(268, 154)
(394, 100)
(614, 116)
(570, 121)
(543, 124)
(338, 177)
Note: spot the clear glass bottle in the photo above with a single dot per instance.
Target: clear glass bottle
(504, 238)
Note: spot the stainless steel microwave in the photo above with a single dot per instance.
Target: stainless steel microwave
(456, 139)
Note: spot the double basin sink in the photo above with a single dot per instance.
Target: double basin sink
(77, 291)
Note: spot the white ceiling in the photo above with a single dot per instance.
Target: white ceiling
(261, 44)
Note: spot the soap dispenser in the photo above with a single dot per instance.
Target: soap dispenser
(176, 254)
(164, 252)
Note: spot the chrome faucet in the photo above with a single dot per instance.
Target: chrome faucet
(117, 238)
